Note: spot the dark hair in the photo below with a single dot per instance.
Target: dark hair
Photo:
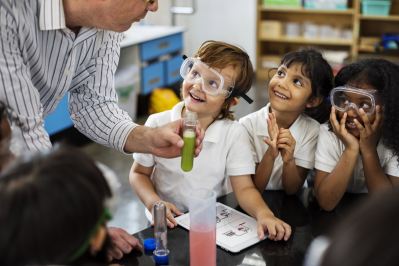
(383, 76)
(368, 236)
(220, 55)
(2, 111)
(49, 205)
(320, 73)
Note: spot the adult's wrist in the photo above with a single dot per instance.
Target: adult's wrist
(140, 140)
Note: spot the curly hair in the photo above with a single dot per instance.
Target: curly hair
(320, 73)
(383, 76)
(218, 54)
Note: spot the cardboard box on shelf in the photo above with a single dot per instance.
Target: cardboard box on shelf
(271, 29)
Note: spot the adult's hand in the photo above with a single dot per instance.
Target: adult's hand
(122, 243)
(162, 141)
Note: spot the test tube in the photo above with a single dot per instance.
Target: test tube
(160, 231)
(189, 126)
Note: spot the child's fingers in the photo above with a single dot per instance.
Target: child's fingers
(175, 210)
(284, 146)
(271, 230)
(365, 119)
(288, 231)
(333, 119)
(378, 118)
(285, 140)
(261, 231)
(170, 220)
(267, 141)
(280, 232)
(359, 126)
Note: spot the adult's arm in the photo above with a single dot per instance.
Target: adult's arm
(16, 88)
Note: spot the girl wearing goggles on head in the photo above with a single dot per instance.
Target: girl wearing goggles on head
(359, 153)
(283, 133)
(213, 79)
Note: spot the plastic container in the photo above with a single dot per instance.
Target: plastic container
(283, 3)
(292, 29)
(326, 4)
(376, 7)
(271, 29)
(202, 208)
(311, 30)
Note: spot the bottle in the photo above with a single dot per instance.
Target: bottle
(187, 154)
(161, 252)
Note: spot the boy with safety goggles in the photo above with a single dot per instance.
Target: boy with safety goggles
(358, 150)
(213, 79)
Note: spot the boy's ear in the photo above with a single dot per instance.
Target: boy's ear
(314, 102)
(234, 101)
(97, 240)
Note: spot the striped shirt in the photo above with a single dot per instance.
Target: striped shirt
(41, 60)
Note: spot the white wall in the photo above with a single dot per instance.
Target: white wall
(232, 21)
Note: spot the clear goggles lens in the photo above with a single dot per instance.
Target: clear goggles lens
(212, 82)
(345, 98)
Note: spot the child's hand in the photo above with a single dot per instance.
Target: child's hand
(369, 132)
(339, 129)
(276, 228)
(171, 211)
(286, 145)
(273, 131)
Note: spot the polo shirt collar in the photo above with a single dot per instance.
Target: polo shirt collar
(261, 126)
(213, 132)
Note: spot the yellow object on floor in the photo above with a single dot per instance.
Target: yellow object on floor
(162, 99)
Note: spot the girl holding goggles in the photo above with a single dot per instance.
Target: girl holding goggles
(358, 150)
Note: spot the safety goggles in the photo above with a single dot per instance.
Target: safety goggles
(344, 98)
(194, 71)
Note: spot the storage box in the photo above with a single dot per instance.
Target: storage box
(326, 4)
(376, 7)
(283, 3)
(271, 29)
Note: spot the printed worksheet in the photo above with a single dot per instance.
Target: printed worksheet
(234, 230)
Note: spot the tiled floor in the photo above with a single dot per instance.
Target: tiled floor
(129, 211)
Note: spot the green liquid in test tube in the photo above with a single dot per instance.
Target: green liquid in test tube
(187, 155)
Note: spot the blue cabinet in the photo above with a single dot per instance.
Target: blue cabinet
(161, 60)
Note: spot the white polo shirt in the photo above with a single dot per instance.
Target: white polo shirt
(330, 148)
(304, 130)
(225, 152)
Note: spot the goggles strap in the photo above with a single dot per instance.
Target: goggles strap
(105, 216)
(234, 93)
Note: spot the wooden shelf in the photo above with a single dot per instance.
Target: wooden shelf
(380, 18)
(349, 11)
(352, 19)
(302, 40)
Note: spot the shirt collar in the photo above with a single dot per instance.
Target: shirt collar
(261, 125)
(213, 132)
(52, 15)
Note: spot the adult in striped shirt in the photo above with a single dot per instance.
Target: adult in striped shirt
(49, 48)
